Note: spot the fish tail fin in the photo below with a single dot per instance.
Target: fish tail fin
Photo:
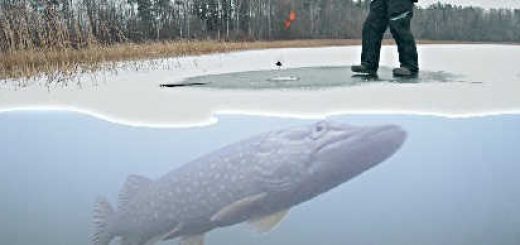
(102, 213)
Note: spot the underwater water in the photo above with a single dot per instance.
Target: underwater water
(309, 78)
(455, 181)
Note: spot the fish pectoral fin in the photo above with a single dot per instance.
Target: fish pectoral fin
(237, 208)
(133, 184)
(192, 240)
(173, 233)
(268, 223)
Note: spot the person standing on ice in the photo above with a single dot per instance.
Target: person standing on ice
(398, 15)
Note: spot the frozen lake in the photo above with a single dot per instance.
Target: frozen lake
(455, 181)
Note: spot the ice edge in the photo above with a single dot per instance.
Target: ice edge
(213, 119)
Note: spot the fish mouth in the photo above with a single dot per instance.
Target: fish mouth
(384, 140)
(393, 133)
(348, 154)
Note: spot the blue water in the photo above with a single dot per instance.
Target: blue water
(455, 181)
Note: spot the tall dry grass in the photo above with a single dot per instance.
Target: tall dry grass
(23, 27)
(26, 63)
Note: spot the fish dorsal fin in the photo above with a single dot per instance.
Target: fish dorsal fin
(133, 184)
(192, 240)
(237, 208)
(269, 222)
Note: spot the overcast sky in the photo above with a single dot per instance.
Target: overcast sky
(481, 3)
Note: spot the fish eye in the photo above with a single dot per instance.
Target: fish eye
(319, 129)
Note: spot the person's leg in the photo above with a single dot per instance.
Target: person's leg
(400, 14)
(373, 31)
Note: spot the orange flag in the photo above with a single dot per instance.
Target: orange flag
(290, 19)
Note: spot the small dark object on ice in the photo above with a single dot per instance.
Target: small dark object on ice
(176, 85)
(279, 64)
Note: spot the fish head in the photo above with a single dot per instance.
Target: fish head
(320, 156)
(342, 151)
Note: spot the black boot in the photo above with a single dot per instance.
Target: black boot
(363, 70)
(404, 72)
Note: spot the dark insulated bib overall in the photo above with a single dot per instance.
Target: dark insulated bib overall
(398, 15)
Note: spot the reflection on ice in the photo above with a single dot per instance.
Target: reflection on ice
(283, 79)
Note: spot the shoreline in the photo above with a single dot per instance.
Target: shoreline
(66, 63)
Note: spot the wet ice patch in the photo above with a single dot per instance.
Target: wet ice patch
(307, 78)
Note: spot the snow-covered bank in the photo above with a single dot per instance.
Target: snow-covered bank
(134, 97)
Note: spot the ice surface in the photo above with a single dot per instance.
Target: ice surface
(489, 74)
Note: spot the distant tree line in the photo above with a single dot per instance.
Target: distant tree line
(28, 24)
(449, 22)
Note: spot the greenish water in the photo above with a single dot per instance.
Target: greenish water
(455, 181)
(310, 78)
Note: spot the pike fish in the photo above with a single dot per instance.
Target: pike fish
(256, 180)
